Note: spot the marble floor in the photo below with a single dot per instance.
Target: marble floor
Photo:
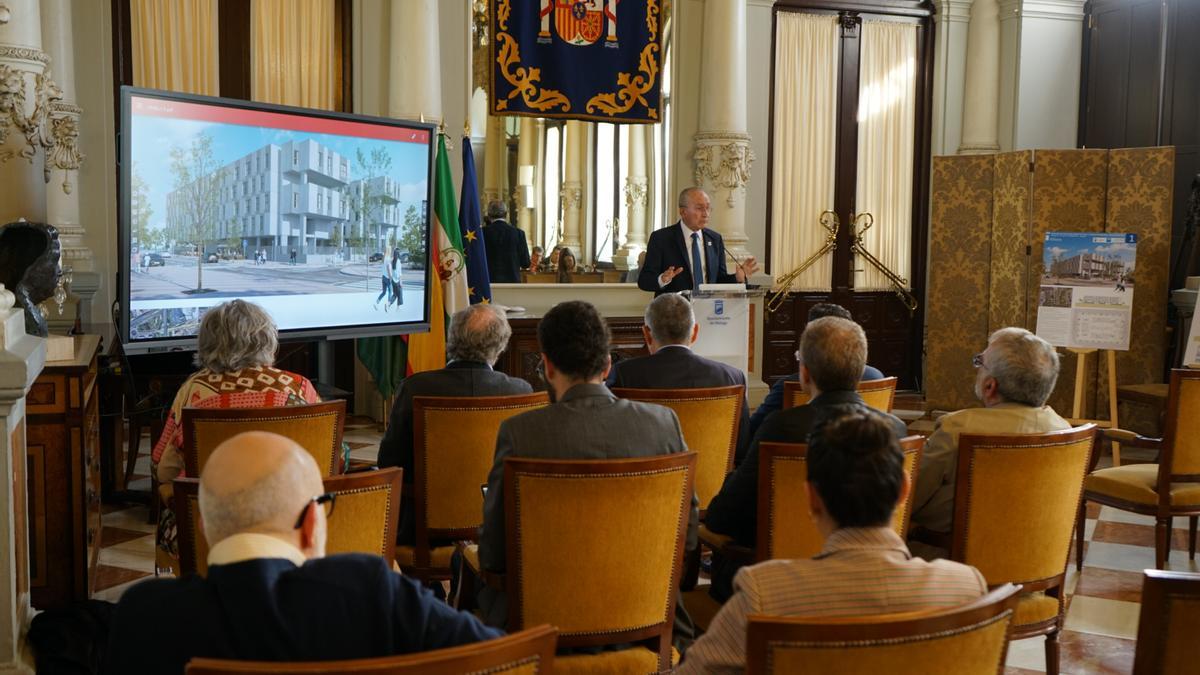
(1103, 600)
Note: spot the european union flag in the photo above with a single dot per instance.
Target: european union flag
(470, 221)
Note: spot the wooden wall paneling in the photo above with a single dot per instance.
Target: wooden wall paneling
(959, 254)
(1140, 191)
(1011, 229)
(1069, 195)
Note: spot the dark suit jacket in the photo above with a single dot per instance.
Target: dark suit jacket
(774, 399)
(677, 367)
(458, 378)
(734, 510)
(339, 607)
(665, 249)
(507, 252)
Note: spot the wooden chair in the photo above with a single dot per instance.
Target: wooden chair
(879, 394)
(530, 651)
(364, 517)
(710, 418)
(1167, 626)
(785, 529)
(968, 640)
(579, 557)
(316, 427)
(1164, 490)
(454, 447)
(1005, 484)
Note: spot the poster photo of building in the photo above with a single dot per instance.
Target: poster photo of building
(1086, 295)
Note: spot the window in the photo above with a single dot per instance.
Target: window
(552, 163)
(295, 199)
(296, 158)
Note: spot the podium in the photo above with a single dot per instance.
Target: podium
(724, 316)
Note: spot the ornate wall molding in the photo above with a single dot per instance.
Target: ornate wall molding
(723, 160)
(636, 189)
(64, 132)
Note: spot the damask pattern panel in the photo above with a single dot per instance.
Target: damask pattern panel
(1140, 194)
(956, 303)
(1010, 239)
(1069, 195)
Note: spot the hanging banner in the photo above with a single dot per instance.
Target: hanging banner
(1086, 294)
(594, 60)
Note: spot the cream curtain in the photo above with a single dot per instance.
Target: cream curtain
(294, 57)
(175, 45)
(886, 132)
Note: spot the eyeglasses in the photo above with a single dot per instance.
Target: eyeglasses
(977, 360)
(327, 500)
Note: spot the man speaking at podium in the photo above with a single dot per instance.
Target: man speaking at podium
(674, 253)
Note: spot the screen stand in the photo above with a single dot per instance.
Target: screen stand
(325, 362)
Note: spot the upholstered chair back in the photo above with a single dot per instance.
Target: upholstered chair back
(316, 427)
(785, 528)
(529, 652)
(878, 394)
(1182, 444)
(710, 419)
(595, 548)
(364, 518)
(454, 447)
(968, 640)
(1166, 643)
(1015, 502)
(365, 514)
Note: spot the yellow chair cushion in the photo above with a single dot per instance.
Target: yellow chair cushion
(1035, 608)
(439, 556)
(1136, 483)
(633, 660)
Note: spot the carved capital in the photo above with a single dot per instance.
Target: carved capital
(723, 160)
(64, 133)
(571, 195)
(27, 96)
(635, 192)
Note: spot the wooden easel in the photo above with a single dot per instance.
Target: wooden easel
(1076, 417)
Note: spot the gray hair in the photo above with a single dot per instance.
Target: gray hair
(496, 210)
(687, 192)
(276, 497)
(235, 335)
(835, 351)
(1025, 366)
(478, 333)
(670, 319)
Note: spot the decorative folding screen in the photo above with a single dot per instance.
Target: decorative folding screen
(989, 217)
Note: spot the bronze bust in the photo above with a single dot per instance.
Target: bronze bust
(29, 267)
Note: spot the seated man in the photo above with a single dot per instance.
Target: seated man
(833, 352)
(774, 399)
(477, 336)
(271, 594)
(1014, 377)
(670, 329)
(855, 480)
(585, 422)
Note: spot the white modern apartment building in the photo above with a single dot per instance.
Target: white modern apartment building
(379, 215)
(278, 198)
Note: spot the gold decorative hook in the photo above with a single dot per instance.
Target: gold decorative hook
(899, 283)
(828, 220)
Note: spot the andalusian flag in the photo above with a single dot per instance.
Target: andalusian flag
(427, 351)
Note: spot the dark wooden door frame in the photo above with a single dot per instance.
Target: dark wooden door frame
(851, 13)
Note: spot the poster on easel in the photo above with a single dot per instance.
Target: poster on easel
(1085, 299)
(1191, 349)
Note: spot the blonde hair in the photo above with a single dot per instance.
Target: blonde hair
(235, 335)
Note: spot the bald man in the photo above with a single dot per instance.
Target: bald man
(271, 594)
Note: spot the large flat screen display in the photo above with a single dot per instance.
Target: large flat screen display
(320, 218)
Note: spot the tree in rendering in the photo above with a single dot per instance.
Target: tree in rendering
(198, 190)
(368, 197)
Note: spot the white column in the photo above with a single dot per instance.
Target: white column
(949, 72)
(981, 96)
(21, 360)
(527, 172)
(414, 78)
(495, 151)
(24, 66)
(636, 189)
(1040, 46)
(722, 154)
(572, 186)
